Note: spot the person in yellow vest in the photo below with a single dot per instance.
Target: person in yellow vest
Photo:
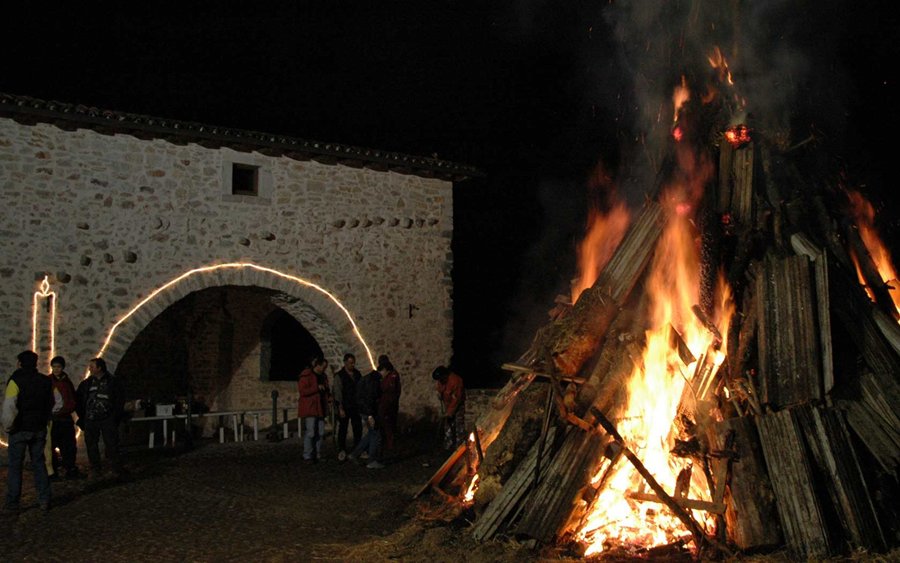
(27, 407)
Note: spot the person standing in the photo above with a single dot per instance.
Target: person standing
(388, 401)
(312, 403)
(452, 394)
(99, 403)
(27, 407)
(345, 381)
(62, 432)
(368, 389)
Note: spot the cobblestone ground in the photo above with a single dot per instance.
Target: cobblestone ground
(250, 501)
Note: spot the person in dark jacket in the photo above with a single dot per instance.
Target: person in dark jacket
(367, 391)
(345, 381)
(62, 431)
(388, 401)
(100, 402)
(27, 406)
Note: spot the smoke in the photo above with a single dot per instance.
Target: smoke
(766, 44)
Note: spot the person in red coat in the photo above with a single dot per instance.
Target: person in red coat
(312, 403)
(388, 401)
(62, 432)
(452, 393)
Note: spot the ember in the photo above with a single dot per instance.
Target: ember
(738, 136)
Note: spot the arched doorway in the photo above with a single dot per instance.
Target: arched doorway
(220, 344)
(285, 347)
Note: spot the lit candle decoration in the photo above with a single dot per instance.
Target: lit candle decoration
(49, 297)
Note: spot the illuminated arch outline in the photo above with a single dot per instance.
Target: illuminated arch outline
(203, 270)
(236, 266)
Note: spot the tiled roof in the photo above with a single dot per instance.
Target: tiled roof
(68, 116)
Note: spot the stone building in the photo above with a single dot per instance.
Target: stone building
(191, 256)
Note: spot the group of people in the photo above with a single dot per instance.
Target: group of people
(37, 407)
(368, 404)
(37, 412)
(371, 400)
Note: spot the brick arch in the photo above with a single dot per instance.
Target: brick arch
(316, 298)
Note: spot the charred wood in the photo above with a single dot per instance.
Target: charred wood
(829, 441)
(805, 247)
(800, 512)
(574, 338)
(788, 344)
(751, 516)
(500, 510)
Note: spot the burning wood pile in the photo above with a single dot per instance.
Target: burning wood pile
(727, 378)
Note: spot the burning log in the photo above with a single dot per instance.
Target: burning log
(701, 540)
(874, 284)
(574, 338)
(735, 188)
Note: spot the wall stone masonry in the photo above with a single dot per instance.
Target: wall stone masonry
(111, 218)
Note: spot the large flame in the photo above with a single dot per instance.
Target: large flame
(864, 217)
(657, 382)
(608, 221)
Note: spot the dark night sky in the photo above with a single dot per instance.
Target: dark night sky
(533, 92)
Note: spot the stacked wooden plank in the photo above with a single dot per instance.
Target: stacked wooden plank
(789, 361)
(815, 473)
(735, 188)
(507, 504)
(801, 513)
(751, 517)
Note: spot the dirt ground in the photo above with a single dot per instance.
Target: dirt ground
(254, 501)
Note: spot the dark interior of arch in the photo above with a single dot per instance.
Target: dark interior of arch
(199, 343)
(286, 349)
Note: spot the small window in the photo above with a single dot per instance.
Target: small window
(244, 179)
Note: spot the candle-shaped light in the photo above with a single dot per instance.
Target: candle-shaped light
(43, 308)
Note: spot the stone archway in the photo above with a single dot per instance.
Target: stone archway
(314, 297)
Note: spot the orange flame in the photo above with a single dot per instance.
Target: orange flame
(717, 61)
(681, 96)
(608, 220)
(658, 380)
(864, 216)
(604, 235)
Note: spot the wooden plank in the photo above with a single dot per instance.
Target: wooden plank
(684, 502)
(790, 370)
(830, 444)
(519, 484)
(801, 515)
(751, 516)
(550, 505)
(874, 419)
(803, 246)
(442, 470)
(573, 339)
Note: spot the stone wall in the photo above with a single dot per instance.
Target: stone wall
(112, 218)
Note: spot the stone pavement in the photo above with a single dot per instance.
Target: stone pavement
(250, 501)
